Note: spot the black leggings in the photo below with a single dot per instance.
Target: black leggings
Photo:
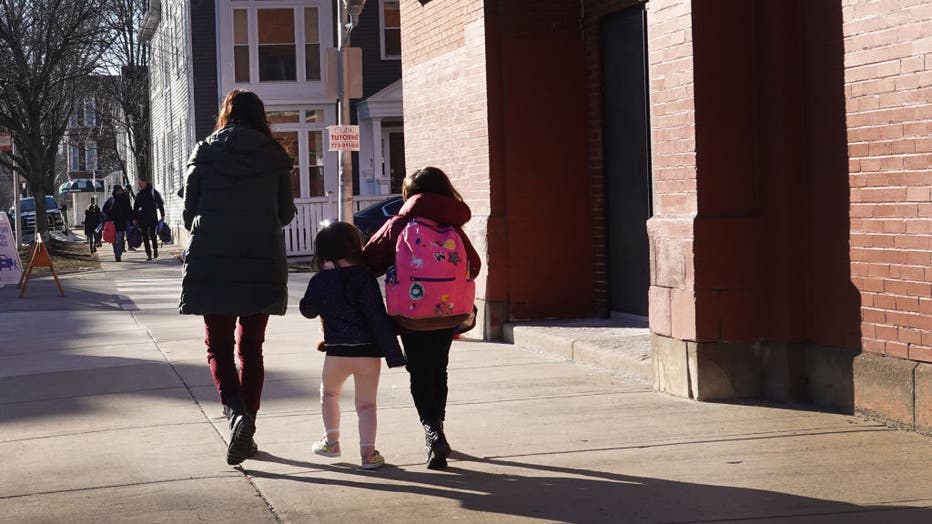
(428, 353)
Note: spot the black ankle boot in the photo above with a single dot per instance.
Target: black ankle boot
(242, 428)
(443, 438)
(253, 447)
(437, 448)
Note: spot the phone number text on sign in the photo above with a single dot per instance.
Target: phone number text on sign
(343, 138)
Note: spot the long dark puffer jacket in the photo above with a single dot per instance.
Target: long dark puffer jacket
(147, 207)
(118, 210)
(237, 199)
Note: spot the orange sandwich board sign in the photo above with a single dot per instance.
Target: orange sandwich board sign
(40, 258)
(11, 269)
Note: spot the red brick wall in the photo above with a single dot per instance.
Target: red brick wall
(446, 107)
(537, 126)
(493, 93)
(670, 57)
(888, 86)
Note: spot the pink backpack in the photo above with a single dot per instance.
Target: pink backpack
(429, 287)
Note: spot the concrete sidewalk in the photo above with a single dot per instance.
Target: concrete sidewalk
(108, 414)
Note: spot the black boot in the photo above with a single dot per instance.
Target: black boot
(443, 440)
(242, 428)
(253, 447)
(437, 448)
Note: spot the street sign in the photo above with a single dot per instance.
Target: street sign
(11, 270)
(352, 61)
(6, 142)
(343, 138)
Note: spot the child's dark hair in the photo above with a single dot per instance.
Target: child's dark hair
(428, 180)
(337, 240)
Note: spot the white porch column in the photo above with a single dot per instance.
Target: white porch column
(378, 156)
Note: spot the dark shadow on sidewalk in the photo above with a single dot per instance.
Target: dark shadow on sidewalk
(42, 295)
(59, 382)
(561, 494)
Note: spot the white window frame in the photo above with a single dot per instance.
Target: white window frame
(90, 156)
(298, 33)
(299, 90)
(90, 112)
(74, 157)
(302, 127)
(382, 29)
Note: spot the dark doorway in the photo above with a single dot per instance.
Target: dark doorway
(393, 144)
(626, 157)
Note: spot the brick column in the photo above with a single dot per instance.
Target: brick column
(888, 88)
(447, 122)
(672, 291)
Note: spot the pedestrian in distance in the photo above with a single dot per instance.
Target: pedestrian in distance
(427, 193)
(118, 210)
(92, 219)
(97, 231)
(147, 209)
(357, 334)
(237, 200)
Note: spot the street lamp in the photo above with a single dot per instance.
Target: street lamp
(348, 19)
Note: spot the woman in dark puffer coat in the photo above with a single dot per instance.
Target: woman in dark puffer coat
(237, 200)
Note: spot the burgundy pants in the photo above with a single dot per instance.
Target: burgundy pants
(243, 389)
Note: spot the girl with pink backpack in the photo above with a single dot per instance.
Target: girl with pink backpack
(430, 266)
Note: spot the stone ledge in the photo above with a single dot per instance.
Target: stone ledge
(618, 345)
(923, 379)
(885, 389)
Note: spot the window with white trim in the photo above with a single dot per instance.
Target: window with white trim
(278, 43)
(390, 28)
(301, 133)
(311, 44)
(241, 45)
(74, 157)
(90, 112)
(90, 155)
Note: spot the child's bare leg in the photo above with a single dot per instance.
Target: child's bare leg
(336, 371)
(366, 379)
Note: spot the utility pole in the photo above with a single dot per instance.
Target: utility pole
(348, 19)
(17, 221)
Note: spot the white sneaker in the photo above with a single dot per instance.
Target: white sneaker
(326, 448)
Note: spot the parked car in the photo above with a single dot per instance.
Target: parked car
(27, 209)
(370, 219)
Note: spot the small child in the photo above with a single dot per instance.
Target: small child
(357, 333)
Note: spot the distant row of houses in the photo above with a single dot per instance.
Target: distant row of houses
(200, 50)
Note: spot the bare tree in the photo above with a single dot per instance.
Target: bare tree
(129, 57)
(48, 46)
(99, 127)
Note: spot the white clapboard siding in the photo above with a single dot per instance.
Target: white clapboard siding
(171, 106)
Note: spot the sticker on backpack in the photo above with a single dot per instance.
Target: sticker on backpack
(428, 289)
